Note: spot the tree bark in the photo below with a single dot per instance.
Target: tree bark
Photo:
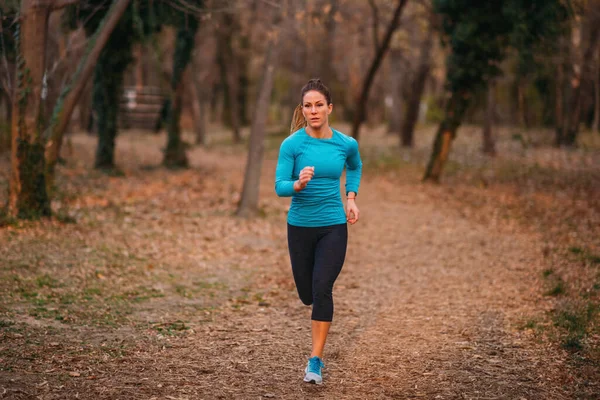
(596, 123)
(175, 156)
(85, 109)
(418, 86)
(28, 197)
(560, 98)
(454, 113)
(580, 75)
(107, 90)
(230, 75)
(249, 200)
(489, 143)
(108, 87)
(5, 133)
(361, 102)
(198, 106)
(243, 61)
(71, 94)
(396, 81)
(328, 47)
(375, 26)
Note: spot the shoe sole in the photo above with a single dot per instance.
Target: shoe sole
(313, 378)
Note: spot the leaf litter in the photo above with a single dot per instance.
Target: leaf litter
(157, 291)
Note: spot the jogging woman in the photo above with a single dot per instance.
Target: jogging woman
(311, 162)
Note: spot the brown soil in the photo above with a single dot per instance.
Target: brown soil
(173, 298)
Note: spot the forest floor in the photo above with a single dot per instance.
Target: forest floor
(145, 286)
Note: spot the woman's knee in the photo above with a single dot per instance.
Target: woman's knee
(322, 291)
(306, 298)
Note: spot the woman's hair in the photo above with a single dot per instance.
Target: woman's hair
(298, 120)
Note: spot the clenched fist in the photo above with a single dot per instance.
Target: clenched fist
(305, 176)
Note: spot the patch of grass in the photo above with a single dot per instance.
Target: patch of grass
(46, 281)
(171, 328)
(573, 343)
(183, 291)
(576, 250)
(68, 298)
(138, 295)
(91, 291)
(547, 272)
(575, 320)
(593, 258)
(27, 294)
(209, 285)
(585, 255)
(530, 324)
(558, 289)
(43, 312)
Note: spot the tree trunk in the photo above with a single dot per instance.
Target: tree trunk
(71, 93)
(140, 78)
(375, 26)
(361, 102)
(580, 75)
(27, 194)
(396, 80)
(243, 80)
(249, 201)
(108, 86)
(328, 48)
(198, 107)
(489, 143)
(455, 110)
(175, 156)
(85, 110)
(596, 123)
(522, 111)
(5, 134)
(418, 86)
(230, 75)
(560, 98)
(107, 90)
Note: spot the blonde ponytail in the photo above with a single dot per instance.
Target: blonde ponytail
(298, 120)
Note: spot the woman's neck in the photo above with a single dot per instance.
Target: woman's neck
(324, 132)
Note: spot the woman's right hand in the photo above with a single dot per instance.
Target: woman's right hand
(305, 176)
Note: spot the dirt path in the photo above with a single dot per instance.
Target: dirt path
(428, 306)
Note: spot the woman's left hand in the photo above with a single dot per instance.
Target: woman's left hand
(352, 212)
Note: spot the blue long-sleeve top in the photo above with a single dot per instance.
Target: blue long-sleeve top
(319, 203)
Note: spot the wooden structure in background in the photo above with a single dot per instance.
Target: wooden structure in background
(140, 107)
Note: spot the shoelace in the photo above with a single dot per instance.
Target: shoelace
(315, 365)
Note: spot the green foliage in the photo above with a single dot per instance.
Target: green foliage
(479, 34)
(575, 319)
(184, 45)
(8, 15)
(435, 113)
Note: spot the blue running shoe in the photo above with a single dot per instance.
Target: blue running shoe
(313, 371)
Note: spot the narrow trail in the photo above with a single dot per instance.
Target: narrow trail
(427, 306)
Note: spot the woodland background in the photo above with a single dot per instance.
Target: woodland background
(138, 222)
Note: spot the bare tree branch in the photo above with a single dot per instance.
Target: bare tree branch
(58, 4)
(375, 23)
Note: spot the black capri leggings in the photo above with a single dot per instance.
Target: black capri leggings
(317, 255)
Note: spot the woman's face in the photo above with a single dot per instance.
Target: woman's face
(315, 109)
